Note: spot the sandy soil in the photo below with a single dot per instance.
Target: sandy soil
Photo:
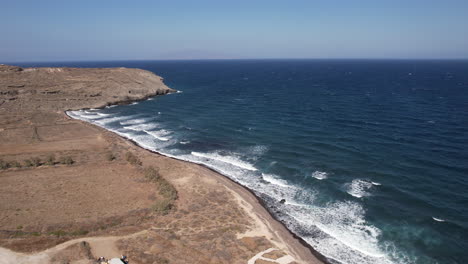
(73, 213)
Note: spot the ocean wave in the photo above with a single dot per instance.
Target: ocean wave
(159, 135)
(106, 121)
(340, 232)
(274, 180)
(142, 126)
(438, 219)
(344, 234)
(226, 159)
(320, 175)
(134, 121)
(359, 188)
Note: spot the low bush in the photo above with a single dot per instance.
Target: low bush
(132, 159)
(28, 163)
(167, 190)
(50, 160)
(36, 162)
(58, 233)
(162, 206)
(67, 160)
(152, 174)
(15, 164)
(110, 156)
(4, 165)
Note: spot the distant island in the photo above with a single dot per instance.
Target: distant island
(72, 192)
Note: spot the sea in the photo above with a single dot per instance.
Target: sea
(365, 160)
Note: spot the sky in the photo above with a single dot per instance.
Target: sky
(46, 30)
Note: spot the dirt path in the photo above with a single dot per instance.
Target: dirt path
(100, 247)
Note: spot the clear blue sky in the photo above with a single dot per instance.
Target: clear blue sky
(46, 30)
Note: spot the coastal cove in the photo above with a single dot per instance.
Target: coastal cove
(364, 161)
(237, 220)
(260, 207)
(348, 160)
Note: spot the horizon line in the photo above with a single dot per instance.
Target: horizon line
(235, 59)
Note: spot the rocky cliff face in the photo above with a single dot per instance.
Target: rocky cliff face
(59, 89)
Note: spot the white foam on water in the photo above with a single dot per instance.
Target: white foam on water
(106, 121)
(320, 175)
(376, 183)
(159, 135)
(227, 159)
(89, 116)
(344, 235)
(134, 103)
(134, 121)
(358, 188)
(103, 114)
(274, 180)
(142, 126)
(184, 142)
(438, 219)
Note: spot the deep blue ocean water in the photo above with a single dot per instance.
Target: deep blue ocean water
(371, 156)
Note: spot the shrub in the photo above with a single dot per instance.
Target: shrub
(132, 159)
(58, 233)
(28, 163)
(152, 174)
(4, 165)
(36, 162)
(67, 160)
(167, 190)
(162, 206)
(79, 233)
(15, 164)
(50, 160)
(110, 156)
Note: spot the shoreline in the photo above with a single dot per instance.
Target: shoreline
(210, 207)
(274, 219)
(317, 254)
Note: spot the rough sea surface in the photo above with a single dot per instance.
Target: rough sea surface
(370, 156)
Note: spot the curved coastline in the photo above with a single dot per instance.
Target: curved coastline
(41, 97)
(299, 239)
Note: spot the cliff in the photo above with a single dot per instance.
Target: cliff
(75, 88)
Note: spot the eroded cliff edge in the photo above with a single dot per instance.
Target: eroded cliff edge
(75, 88)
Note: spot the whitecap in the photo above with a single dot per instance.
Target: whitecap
(226, 159)
(438, 219)
(103, 114)
(270, 178)
(376, 183)
(184, 142)
(320, 175)
(142, 126)
(358, 188)
(134, 121)
(160, 135)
